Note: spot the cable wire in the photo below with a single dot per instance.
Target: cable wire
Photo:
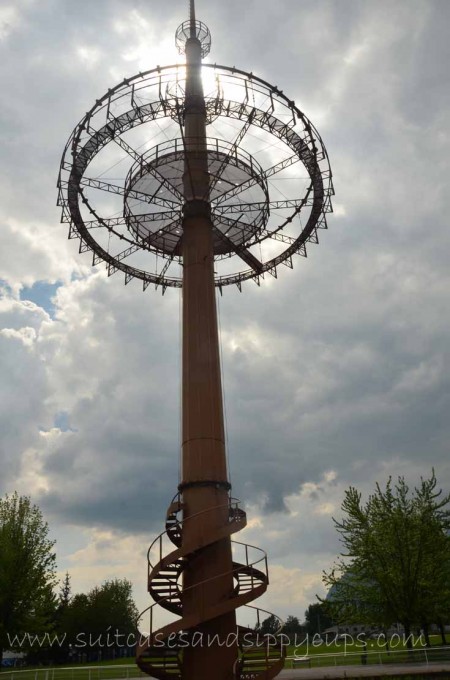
(224, 400)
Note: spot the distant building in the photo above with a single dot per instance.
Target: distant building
(12, 659)
(355, 629)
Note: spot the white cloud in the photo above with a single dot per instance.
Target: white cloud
(36, 251)
(27, 335)
(89, 56)
(9, 18)
(146, 44)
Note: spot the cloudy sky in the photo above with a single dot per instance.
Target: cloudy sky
(337, 375)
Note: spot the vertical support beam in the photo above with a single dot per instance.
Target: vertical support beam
(204, 470)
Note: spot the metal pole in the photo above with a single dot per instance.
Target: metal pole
(192, 17)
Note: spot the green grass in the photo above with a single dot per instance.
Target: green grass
(128, 660)
(103, 670)
(92, 670)
(340, 648)
(324, 655)
(332, 655)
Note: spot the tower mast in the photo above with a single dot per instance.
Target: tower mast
(204, 485)
(205, 204)
(192, 17)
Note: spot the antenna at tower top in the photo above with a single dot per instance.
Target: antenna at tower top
(192, 17)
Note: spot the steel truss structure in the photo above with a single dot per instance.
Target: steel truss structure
(251, 214)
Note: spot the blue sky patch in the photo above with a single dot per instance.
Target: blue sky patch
(41, 293)
(62, 422)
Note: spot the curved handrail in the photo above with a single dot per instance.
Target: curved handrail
(232, 503)
(247, 606)
(254, 547)
(259, 609)
(247, 577)
(236, 569)
(208, 580)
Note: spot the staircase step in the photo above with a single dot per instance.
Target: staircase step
(160, 592)
(164, 584)
(171, 566)
(174, 664)
(168, 585)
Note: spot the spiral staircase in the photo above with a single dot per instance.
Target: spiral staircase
(160, 650)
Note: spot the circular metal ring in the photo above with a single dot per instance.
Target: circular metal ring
(261, 110)
(164, 165)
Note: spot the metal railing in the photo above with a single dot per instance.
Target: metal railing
(255, 580)
(428, 656)
(259, 619)
(372, 657)
(81, 672)
(233, 516)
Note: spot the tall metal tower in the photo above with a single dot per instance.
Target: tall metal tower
(212, 196)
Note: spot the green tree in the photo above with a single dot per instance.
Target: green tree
(60, 652)
(292, 627)
(113, 609)
(396, 557)
(27, 570)
(270, 626)
(317, 619)
(65, 592)
(98, 623)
